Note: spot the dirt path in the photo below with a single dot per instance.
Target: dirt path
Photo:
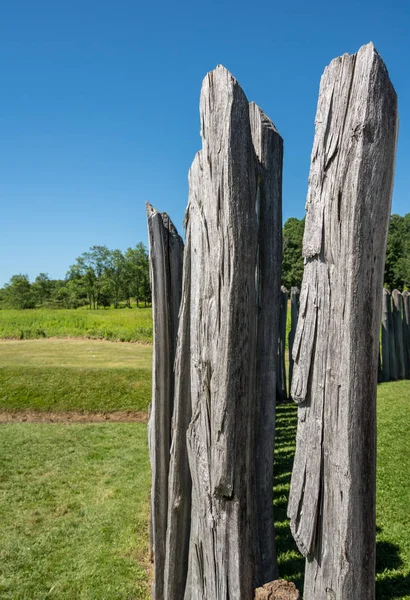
(73, 417)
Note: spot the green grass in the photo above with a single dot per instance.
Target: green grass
(125, 325)
(74, 375)
(393, 492)
(74, 512)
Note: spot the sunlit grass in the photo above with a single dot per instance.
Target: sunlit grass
(125, 325)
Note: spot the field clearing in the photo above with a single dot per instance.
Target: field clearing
(74, 375)
(125, 325)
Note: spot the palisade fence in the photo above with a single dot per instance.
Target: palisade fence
(219, 353)
(394, 357)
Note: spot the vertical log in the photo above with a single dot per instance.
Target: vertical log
(406, 319)
(281, 379)
(332, 499)
(398, 332)
(393, 349)
(166, 258)
(386, 321)
(234, 205)
(294, 313)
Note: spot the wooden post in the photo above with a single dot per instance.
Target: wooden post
(294, 313)
(281, 379)
(233, 223)
(166, 258)
(398, 333)
(386, 322)
(406, 320)
(332, 499)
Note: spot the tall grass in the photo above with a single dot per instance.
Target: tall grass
(125, 325)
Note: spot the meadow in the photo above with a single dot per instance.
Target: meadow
(74, 496)
(124, 325)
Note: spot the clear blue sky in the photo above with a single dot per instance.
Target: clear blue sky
(99, 107)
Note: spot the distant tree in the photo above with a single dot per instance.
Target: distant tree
(397, 270)
(138, 274)
(42, 289)
(292, 260)
(18, 293)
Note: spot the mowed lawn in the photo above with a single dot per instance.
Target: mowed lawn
(74, 375)
(74, 497)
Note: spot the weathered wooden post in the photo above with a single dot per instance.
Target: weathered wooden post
(233, 225)
(332, 499)
(166, 259)
(406, 321)
(281, 378)
(398, 332)
(294, 313)
(386, 321)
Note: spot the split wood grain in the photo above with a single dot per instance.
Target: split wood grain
(332, 499)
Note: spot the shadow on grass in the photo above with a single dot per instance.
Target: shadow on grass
(390, 583)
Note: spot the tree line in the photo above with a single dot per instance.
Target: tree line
(99, 278)
(397, 269)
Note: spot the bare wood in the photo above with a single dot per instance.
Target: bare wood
(234, 201)
(281, 379)
(332, 499)
(406, 320)
(386, 322)
(166, 259)
(294, 313)
(398, 333)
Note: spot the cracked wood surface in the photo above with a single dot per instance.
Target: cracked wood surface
(166, 259)
(281, 378)
(332, 498)
(398, 333)
(233, 225)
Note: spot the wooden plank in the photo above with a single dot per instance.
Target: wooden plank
(332, 499)
(166, 259)
(234, 205)
(406, 319)
(398, 332)
(294, 313)
(386, 322)
(281, 386)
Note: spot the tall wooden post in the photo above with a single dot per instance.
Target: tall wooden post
(281, 379)
(294, 313)
(234, 226)
(406, 320)
(332, 499)
(398, 332)
(386, 321)
(166, 258)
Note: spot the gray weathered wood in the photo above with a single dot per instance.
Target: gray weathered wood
(406, 337)
(386, 322)
(398, 333)
(294, 313)
(166, 259)
(332, 499)
(180, 483)
(281, 378)
(233, 223)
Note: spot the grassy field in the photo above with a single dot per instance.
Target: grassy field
(74, 498)
(74, 511)
(74, 375)
(125, 325)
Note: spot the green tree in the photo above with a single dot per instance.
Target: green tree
(397, 270)
(18, 292)
(292, 260)
(42, 289)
